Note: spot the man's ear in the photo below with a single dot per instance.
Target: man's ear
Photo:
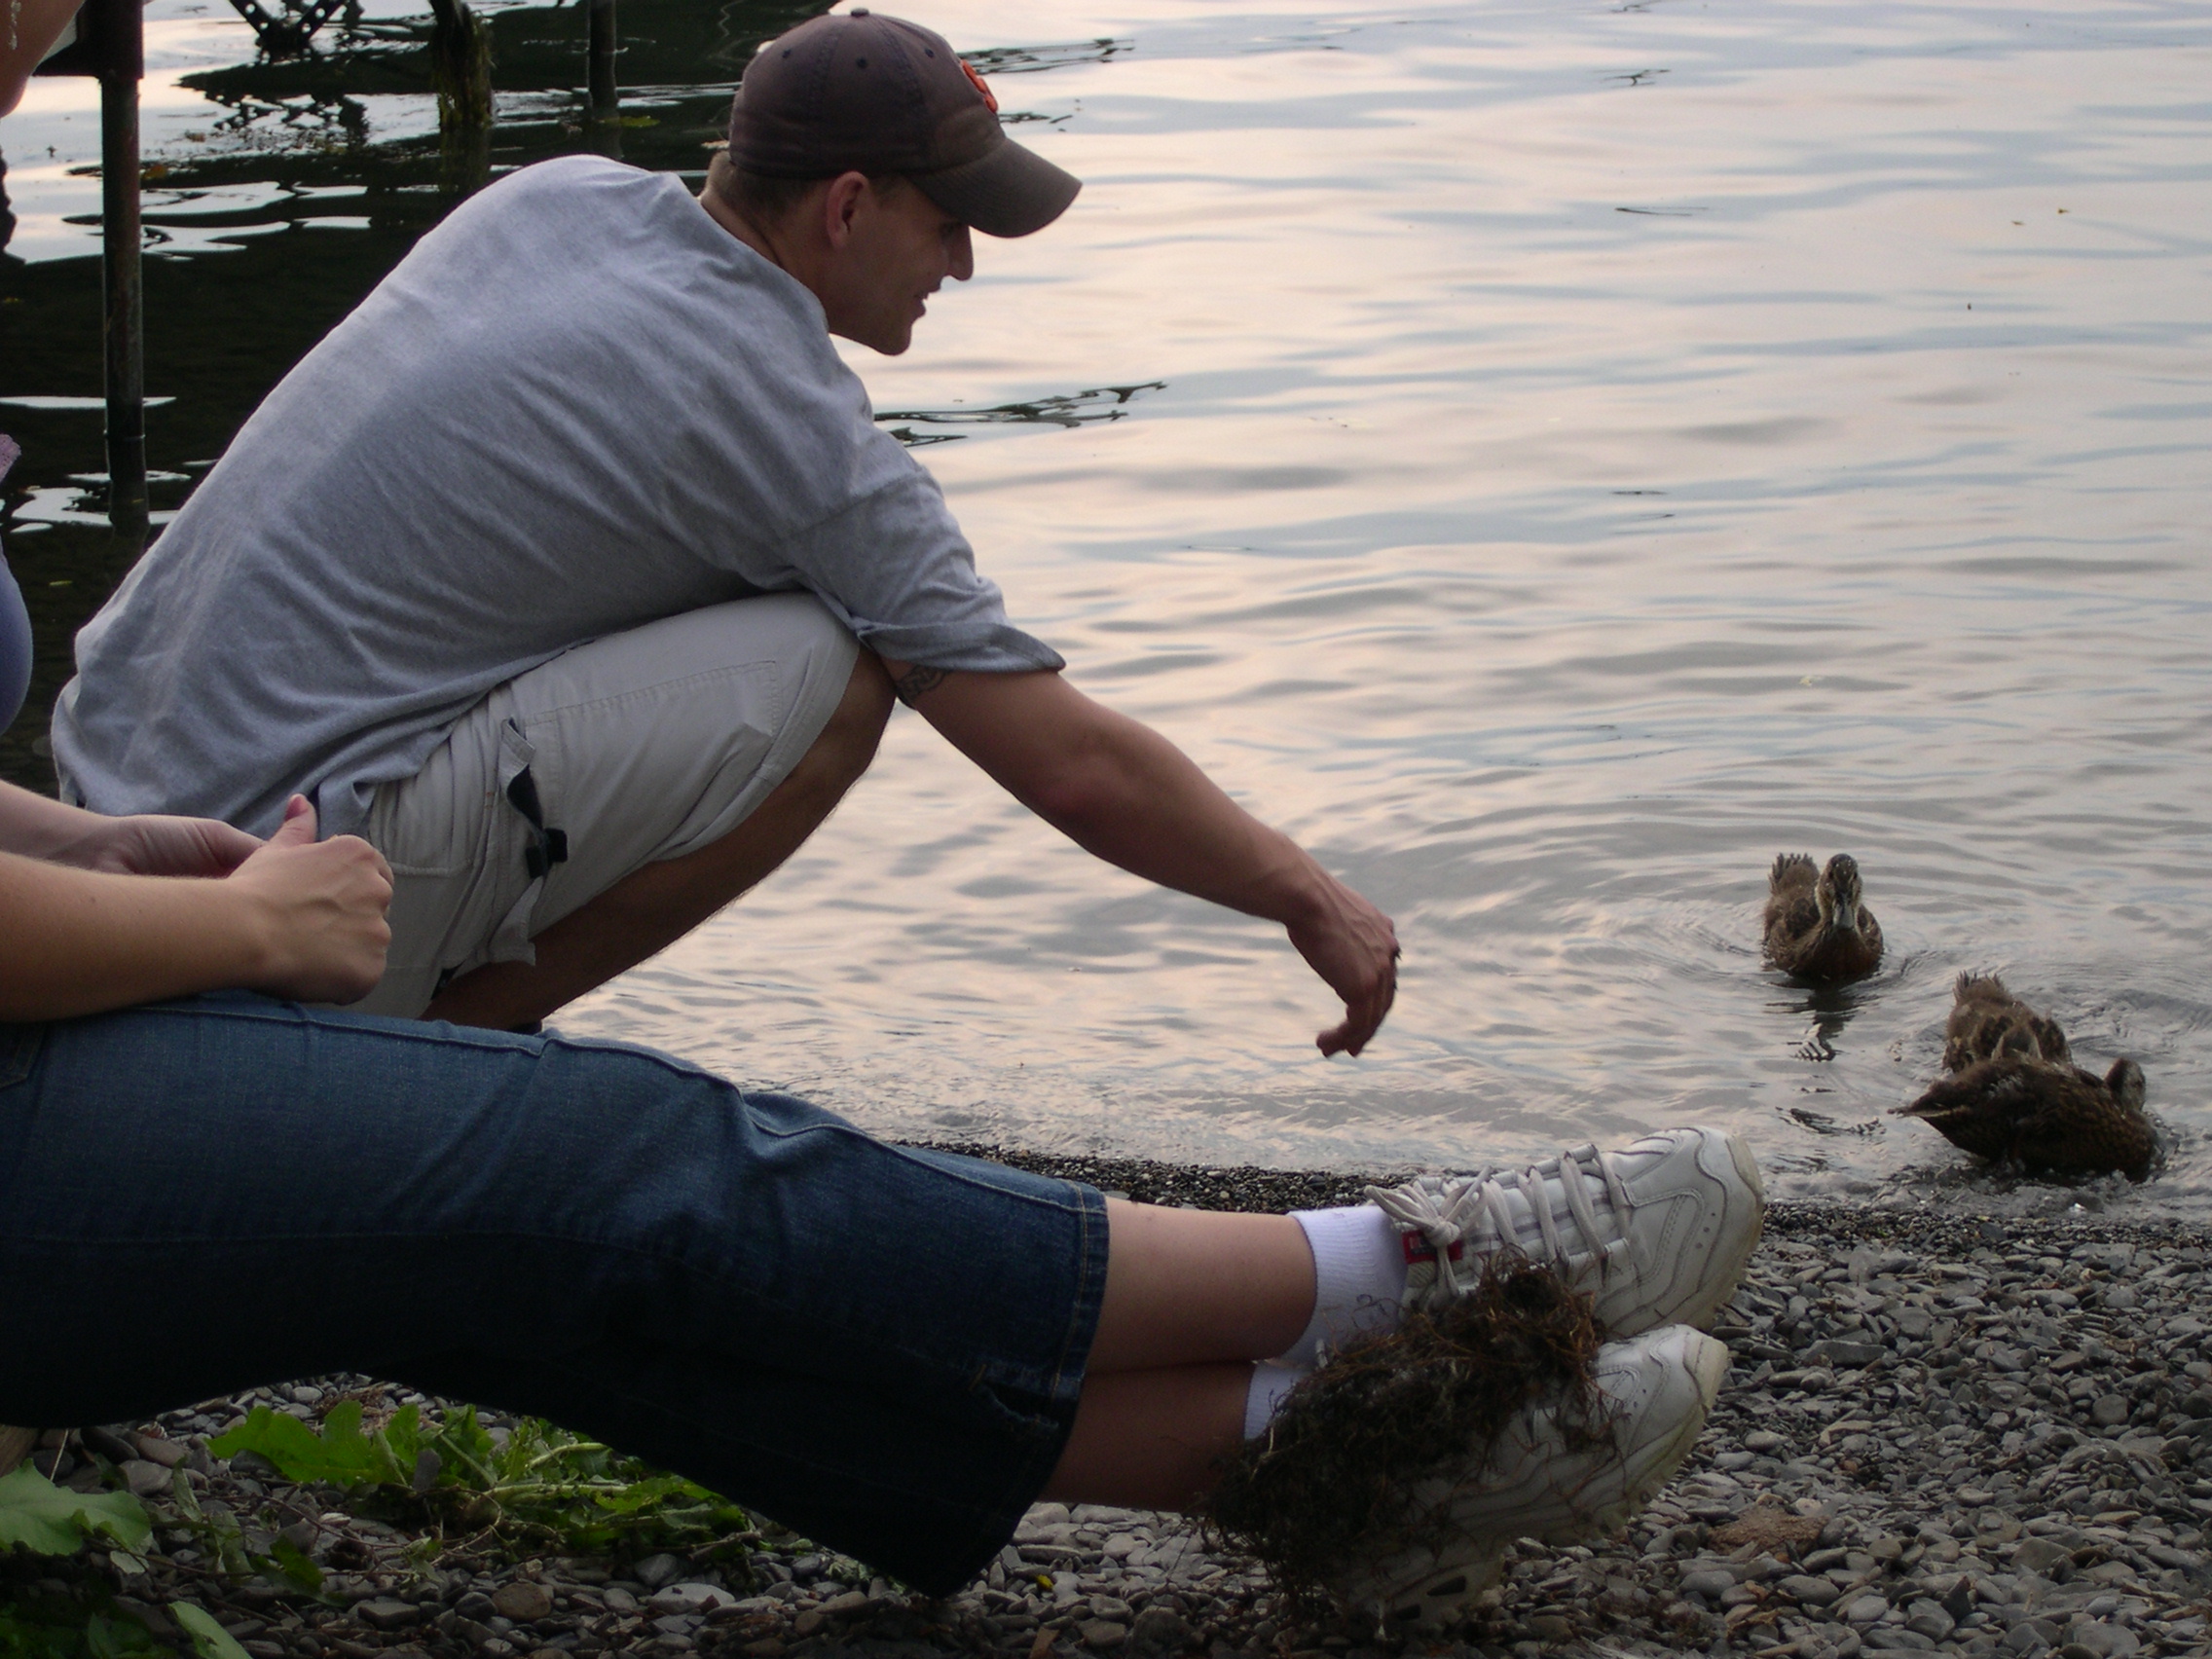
(840, 205)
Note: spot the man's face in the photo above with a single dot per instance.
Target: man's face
(899, 248)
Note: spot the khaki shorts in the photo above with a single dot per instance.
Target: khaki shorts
(640, 747)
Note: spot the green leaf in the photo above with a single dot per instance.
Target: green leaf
(341, 1454)
(117, 1637)
(642, 1494)
(36, 1625)
(346, 1456)
(289, 1562)
(465, 1452)
(209, 1639)
(46, 1520)
(297, 1450)
(399, 1443)
(187, 1500)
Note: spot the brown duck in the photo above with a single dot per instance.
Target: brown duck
(1983, 1014)
(1816, 926)
(2016, 1107)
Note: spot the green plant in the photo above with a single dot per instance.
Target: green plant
(209, 1639)
(50, 1627)
(50, 1520)
(222, 1538)
(542, 1485)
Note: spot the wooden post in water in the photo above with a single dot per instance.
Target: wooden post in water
(605, 97)
(111, 46)
(122, 327)
(604, 117)
(460, 68)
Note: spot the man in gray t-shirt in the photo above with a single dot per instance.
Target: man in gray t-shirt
(572, 571)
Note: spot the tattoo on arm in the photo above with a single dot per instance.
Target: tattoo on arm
(917, 680)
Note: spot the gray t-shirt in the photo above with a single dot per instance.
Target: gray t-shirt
(578, 406)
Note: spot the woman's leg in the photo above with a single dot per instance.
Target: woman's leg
(1193, 1298)
(884, 1346)
(1153, 1439)
(880, 1345)
(1196, 1287)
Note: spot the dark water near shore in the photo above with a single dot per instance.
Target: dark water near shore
(1550, 458)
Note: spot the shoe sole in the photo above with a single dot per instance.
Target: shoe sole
(1650, 1466)
(1441, 1598)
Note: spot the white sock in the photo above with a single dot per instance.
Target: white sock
(1359, 1279)
(1269, 1384)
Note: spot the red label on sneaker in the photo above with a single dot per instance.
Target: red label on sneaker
(1419, 1249)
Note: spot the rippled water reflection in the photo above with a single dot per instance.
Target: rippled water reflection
(1550, 460)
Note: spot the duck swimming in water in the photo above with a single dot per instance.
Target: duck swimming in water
(1983, 1014)
(2016, 1107)
(1816, 926)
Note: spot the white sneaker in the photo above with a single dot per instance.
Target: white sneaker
(1657, 1388)
(1658, 1234)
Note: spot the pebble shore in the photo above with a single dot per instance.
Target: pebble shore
(1942, 1435)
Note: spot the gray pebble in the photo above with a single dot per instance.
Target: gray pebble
(1813, 1591)
(656, 1570)
(1866, 1609)
(387, 1613)
(689, 1598)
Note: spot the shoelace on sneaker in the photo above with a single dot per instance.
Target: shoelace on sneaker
(1443, 1215)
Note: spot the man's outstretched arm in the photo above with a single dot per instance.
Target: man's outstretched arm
(1122, 792)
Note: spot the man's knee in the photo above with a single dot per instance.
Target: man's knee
(847, 744)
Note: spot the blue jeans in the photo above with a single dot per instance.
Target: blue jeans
(879, 1347)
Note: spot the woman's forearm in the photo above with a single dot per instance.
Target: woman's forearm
(296, 918)
(38, 827)
(82, 942)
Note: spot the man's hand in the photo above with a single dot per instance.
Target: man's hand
(1120, 791)
(151, 844)
(1354, 948)
(322, 908)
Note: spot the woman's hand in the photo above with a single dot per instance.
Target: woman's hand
(321, 909)
(151, 844)
(294, 918)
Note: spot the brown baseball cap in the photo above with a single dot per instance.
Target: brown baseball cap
(860, 93)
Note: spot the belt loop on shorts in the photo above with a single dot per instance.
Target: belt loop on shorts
(547, 847)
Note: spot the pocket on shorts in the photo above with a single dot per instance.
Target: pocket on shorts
(456, 859)
(655, 773)
(434, 823)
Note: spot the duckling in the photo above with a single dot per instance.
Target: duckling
(1816, 926)
(1983, 1013)
(2018, 1107)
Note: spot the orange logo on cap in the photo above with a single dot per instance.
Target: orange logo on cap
(990, 99)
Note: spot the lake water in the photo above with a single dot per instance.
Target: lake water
(1547, 457)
